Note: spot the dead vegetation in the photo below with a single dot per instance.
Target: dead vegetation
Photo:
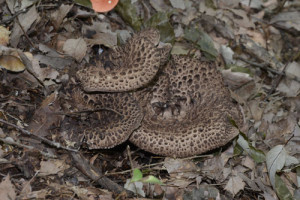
(43, 44)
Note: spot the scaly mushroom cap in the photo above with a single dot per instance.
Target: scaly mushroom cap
(128, 67)
(187, 112)
(110, 118)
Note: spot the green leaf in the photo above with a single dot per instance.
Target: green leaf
(257, 155)
(129, 14)
(281, 189)
(275, 160)
(203, 42)
(160, 20)
(236, 68)
(152, 179)
(192, 35)
(86, 3)
(179, 49)
(207, 46)
(137, 175)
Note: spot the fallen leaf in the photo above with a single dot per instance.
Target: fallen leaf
(7, 189)
(180, 168)
(76, 48)
(159, 5)
(275, 159)
(26, 20)
(281, 189)
(106, 39)
(59, 14)
(128, 12)
(45, 116)
(4, 36)
(136, 187)
(257, 155)
(287, 20)
(203, 192)
(178, 4)
(52, 166)
(52, 58)
(234, 185)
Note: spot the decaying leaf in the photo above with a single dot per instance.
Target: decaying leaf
(7, 189)
(288, 20)
(75, 48)
(52, 166)
(136, 187)
(4, 36)
(59, 15)
(26, 20)
(234, 185)
(276, 158)
(178, 4)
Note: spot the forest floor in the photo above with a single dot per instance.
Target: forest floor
(256, 42)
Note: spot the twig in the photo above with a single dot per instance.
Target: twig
(266, 67)
(25, 34)
(29, 68)
(277, 81)
(155, 164)
(8, 141)
(13, 16)
(93, 173)
(49, 142)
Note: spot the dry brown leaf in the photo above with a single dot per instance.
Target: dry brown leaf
(7, 189)
(52, 166)
(4, 36)
(40, 194)
(106, 39)
(44, 73)
(249, 163)
(75, 48)
(234, 185)
(180, 168)
(26, 20)
(45, 116)
(52, 58)
(59, 15)
(242, 18)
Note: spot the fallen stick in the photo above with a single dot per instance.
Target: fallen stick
(90, 171)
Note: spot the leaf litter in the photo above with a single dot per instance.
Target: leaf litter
(259, 47)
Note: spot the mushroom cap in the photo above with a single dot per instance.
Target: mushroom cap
(104, 5)
(11, 63)
(128, 67)
(188, 111)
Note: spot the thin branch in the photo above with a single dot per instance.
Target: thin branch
(49, 142)
(11, 142)
(13, 16)
(266, 67)
(156, 164)
(93, 173)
